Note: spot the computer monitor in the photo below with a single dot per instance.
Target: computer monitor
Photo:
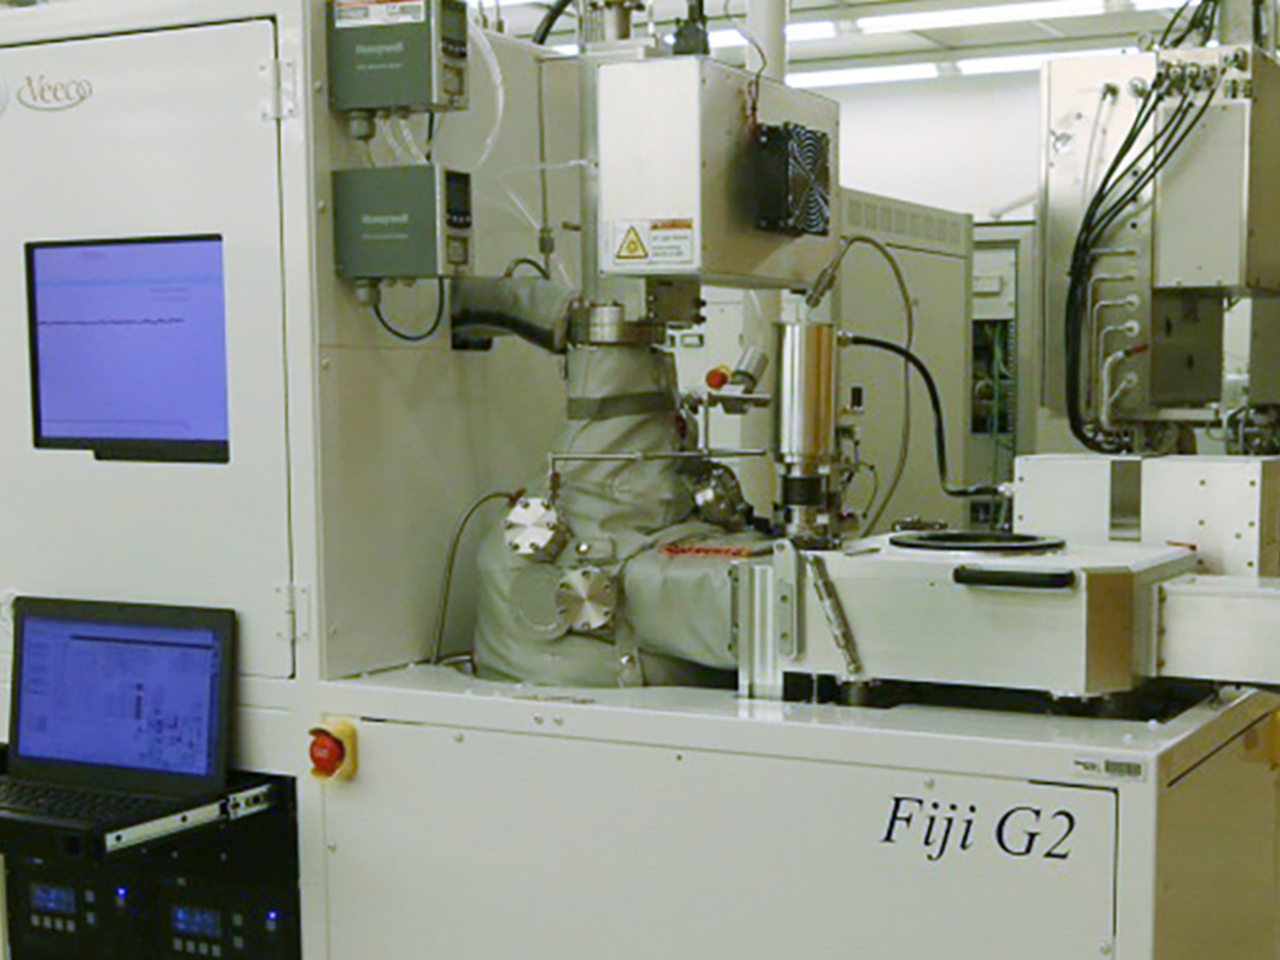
(131, 696)
(128, 347)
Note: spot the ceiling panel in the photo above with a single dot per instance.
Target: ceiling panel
(957, 38)
(854, 48)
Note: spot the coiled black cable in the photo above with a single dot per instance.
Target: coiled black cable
(415, 337)
(935, 401)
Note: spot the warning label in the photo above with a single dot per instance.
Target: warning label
(632, 247)
(378, 13)
(653, 243)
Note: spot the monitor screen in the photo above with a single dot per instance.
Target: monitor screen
(48, 898)
(138, 695)
(197, 921)
(128, 347)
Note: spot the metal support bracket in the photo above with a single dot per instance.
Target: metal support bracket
(786, 599)
(765, 623)
(833, 610)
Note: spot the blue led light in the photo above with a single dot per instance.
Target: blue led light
(121, 892)
(272, 914)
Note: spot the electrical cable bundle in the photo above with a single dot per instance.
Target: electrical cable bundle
(1130, 173)
(548, 22)
(1203, 19)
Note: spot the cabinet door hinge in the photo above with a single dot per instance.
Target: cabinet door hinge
(295, 604)
(283, 98)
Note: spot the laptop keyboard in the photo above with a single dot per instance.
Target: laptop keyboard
(73, 804)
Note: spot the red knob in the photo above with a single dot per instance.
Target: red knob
(718, 378)
(327, 753)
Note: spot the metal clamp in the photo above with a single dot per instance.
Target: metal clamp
(833, 609)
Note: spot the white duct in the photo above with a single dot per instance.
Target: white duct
(767, 26)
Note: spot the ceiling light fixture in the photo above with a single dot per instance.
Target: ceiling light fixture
(804, 30)
(799, 32)
(981, 16)
(723, 39)
(862, 75)
(972, 67)
(1028, 62)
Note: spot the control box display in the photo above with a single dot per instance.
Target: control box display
(398, 56)
(222, 893)
(409, 222)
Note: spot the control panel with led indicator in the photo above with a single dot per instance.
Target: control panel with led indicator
(225, 891)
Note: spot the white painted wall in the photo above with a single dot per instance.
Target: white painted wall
(969, 144)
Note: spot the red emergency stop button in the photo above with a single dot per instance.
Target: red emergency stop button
(718, 378)
(327, 753)
(333, 750)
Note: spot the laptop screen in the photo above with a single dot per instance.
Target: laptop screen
(120, 690)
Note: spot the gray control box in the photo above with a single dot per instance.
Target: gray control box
(401, 222)
(408, 55)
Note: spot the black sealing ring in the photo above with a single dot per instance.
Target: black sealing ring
(977, 541)
(803, 492)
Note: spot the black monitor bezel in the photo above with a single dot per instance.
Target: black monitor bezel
(112, 448)
(222, 622)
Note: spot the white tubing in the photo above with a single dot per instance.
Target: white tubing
(500, 100)
(415, 148)
(392, 139)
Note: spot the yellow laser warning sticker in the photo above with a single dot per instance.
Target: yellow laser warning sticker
(632, 247)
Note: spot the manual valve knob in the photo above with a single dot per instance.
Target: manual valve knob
(586, 599)
(535, 529)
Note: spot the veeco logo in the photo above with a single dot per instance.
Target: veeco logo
(41, 93)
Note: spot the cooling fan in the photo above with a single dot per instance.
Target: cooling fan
(793, 180)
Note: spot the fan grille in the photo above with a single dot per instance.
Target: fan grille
(794, 180)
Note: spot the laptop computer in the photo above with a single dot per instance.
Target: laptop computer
(119, 713)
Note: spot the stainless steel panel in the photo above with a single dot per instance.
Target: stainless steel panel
(674, 136)
(1085, 124)
(805, 411)
(1186, 347)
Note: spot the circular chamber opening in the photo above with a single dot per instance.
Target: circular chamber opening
(977, 541)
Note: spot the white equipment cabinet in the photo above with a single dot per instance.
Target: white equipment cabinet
(935, 250)
(487, 820)
(153, 148)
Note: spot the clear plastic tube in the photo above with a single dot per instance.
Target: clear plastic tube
(389, 136)
(415, 148)
(557, 262)
(509, 189)
(500, 100)
(501, 203)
